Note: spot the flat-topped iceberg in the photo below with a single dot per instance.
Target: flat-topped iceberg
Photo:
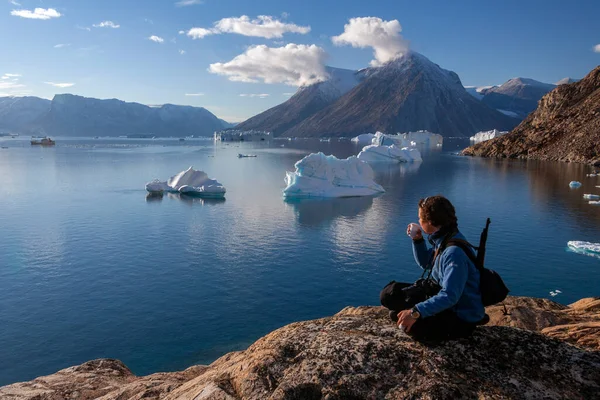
(190, 182)
(378, 152)
(401, 139)
(487, 135)
(318, 175)
(586, 248)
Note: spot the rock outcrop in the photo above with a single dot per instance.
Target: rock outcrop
(564, 127)
(359, 354)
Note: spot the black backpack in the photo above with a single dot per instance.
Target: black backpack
(492, 287)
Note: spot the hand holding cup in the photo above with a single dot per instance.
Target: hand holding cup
(414, 231)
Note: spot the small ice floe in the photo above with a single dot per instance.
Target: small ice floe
(585, 248)
(574, 184)
(592, 175)
(555, 292)
(190, 182)
(318, 175)
(591, 196)
(594, 202)
(246, 155)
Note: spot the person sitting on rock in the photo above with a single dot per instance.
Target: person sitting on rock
(447, 304)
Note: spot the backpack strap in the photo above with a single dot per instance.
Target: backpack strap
(468, 249)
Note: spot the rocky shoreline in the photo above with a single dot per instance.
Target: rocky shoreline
(535, 348)
(564, 127)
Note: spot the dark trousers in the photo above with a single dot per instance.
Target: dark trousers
(443, 326)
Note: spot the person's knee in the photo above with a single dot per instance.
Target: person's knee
(386, 294)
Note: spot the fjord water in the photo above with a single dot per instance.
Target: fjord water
(90, 266)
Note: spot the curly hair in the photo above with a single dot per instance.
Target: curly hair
(438, 211)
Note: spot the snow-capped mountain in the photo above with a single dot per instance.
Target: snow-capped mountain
(17, 113)
(304, 103)
(70, 115)
(517, 97)
(408, 94)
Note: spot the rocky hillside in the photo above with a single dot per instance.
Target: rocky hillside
(359, 354)
(304, 103)
(565, 127)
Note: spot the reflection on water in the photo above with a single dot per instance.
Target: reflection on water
(186, 198)
(313, 212)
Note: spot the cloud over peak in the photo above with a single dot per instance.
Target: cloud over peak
(597, 48)
(106, 24)
(383, 36)
(38, 13)
(264, 26)
(294, 65)
(156, 39)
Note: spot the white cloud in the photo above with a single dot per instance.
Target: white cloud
(182, 52)
(294, 65)
(10, 85)
(284, 15)
(156, 39)
(106, 24)
(183, 3)
(263, 26)
(60, 45)
(60, 85)
(151, 22)
(182, 32)
(288, 94)
(194, 94)
(11, 76)
(597, 48)
(259, 95)
(14, 3)
(383, 36)
(199, 33)
(83, 28)
(38, 13)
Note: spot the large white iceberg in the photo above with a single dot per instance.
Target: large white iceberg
(189, 182)
(379, 152)
(487, 135)
(424, 137)
(318, 175)
(586, 248)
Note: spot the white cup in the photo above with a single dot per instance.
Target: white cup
(414, 230)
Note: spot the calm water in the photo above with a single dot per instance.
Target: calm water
(90, 267)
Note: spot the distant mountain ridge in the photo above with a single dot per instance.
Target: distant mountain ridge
(518, 96)
(72, 115)
(17, 113)
(408, 94)
(564, 127)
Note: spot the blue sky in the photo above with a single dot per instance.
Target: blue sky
(70, 46)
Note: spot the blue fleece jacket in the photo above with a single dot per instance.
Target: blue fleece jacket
(458, 277)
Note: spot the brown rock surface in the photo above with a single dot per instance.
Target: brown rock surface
(565, 127)
(359, 354)
(578, 323)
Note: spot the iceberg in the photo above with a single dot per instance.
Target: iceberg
(364, 138)
(424, 137)
(594, 202)
(591, 196)
(585, 248)
(574, 184)
(190, 182)
(487, 135)
(318, 175)
(382, 153)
